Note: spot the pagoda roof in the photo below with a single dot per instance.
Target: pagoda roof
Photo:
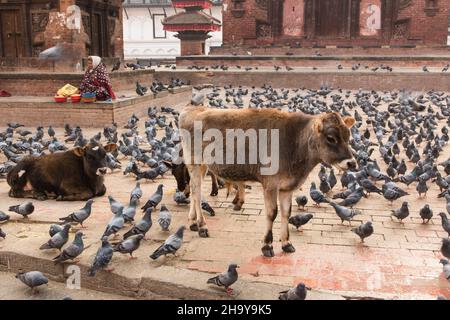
(191, 18)
(205, 4)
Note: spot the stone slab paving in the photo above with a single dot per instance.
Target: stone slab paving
(400, 261)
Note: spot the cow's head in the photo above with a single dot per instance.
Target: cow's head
(94, 158)
(181, 174)
(332, 140)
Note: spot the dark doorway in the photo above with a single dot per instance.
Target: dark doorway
(96, 37)
(332, 18)
(11, 34)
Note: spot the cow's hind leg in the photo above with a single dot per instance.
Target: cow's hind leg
(286, 208)
(214, 185)
(270, 201)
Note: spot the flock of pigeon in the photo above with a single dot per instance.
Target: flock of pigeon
(412, 129)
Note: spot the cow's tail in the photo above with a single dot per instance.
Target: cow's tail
(17, 177)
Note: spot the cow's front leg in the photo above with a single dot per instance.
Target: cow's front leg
(195, 222)
(286, 208)
(270, 202)
(201, 222)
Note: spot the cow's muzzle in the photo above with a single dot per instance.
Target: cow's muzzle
(101, 171)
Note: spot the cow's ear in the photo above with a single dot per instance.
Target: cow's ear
(110, 147)
(349, 121)
(79, 152)
(168, 164)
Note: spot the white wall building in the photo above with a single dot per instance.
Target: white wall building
(144, 37)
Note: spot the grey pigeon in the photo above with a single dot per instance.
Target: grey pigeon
(102, 258)
(345, 214)
(164, 218)
(447, 206)
(445, 222)
(364, 230)
(154, 199)
(4, 217)
(72, 251)
(129, 245)
(422, 187)
(114, 205)
(197, 99)
(180, 198)
(130, 211)
(115, 224)
(301, 202)
(54, 229)
(142, 226)
(353, 198)
(445, 248)
(205, 206)
(226, 279)
(171, 245)
(446, 268)
(426, 213)
(300, 220)
(136, 193)
(79, 216)
(402, 212)
(32, 279)
(58, 240)
(297, 293)
(24, 209)
(316, 195)
(369, 187)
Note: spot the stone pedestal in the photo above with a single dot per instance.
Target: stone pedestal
(192, 42)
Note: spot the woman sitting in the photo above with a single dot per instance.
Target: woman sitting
(96, 80)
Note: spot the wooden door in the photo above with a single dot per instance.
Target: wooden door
(332, 18)
(96, 37)
(11, 33)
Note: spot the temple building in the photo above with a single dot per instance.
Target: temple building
(82, 27)
(336, 22)
(144, 35)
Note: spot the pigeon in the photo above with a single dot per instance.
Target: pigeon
(205, 206)
(422, 187)
(155, 199)
(102, 258)
(51, 132)
(136, 193)
(140, 90)
(445, 222)
(301, 202)
(72, 251)
(353, 198)
(426, 213)
(316, 195)
(2, 234)
(345, 214)
(114, 205)
(402, 212)
(171, 245)
(300, 219)
(142, 226)
(32, 279)
(54, 229)
(79, 216)
(447, 206)
(130, 211)
(4, 217)
(332, 181)
(226, 279)
(116, 66)
(129, 245)
(369, 187)
(445, 268)
(445, 248)
(24, 209)
(297, 293)
(198, 99)
(324, 186)
(58, 240)
(115, 224)
(180, 198)
(364, 230)
(164, 218)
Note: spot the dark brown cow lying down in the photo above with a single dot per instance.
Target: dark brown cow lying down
(304, 141)
(73, 175)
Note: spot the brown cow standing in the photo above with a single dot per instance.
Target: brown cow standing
(304, 142)
(73, 175)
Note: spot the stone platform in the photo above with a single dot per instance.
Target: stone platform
(300, 77)
(43, 111)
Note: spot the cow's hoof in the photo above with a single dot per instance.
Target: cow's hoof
(267, 251)
(288, 248)
(193, 227)
(214, 193)
(203, 233)
(237, 207)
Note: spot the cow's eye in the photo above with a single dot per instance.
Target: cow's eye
(331, 139)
